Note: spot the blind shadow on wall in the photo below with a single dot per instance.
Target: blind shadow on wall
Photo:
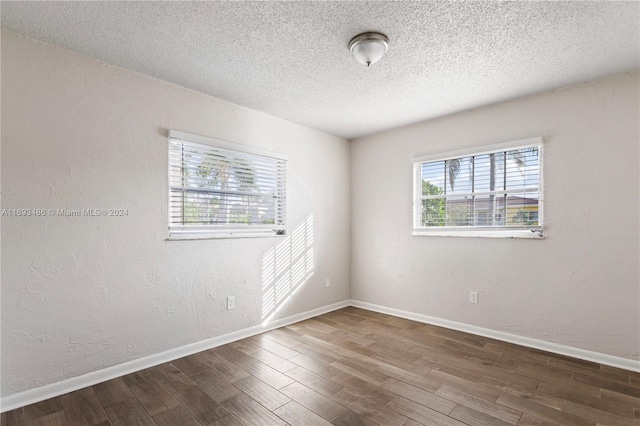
(286, 268)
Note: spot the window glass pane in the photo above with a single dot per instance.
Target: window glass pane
(433, 178)
(433, 213)
(489, 210)
(522, 209)
(459, 211)
(522, 168)
(489, 172)
(220, 209)
(459, 175)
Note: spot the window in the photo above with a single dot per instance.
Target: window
(495, 192)
(220, 189)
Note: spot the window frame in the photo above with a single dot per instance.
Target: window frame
(199, 232)
(533, 232)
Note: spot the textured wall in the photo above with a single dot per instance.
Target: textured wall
(84, 293)
(579, 287)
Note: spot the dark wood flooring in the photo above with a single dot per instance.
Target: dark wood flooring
(354, 367)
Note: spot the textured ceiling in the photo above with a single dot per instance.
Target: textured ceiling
(290, 59)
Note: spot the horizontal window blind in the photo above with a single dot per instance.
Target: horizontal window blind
(492, 190)
(216, 189)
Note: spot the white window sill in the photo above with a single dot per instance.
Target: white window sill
(501, 233)
(223, 235)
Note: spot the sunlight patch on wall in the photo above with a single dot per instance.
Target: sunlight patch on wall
(286, 268)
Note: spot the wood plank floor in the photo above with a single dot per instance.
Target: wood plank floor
(354, 367)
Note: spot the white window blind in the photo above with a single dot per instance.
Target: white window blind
(491, 192)
(223, 189)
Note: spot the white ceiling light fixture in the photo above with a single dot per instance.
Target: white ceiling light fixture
(369, 47)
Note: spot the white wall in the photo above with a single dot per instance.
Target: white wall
(578, 287)
(83, 293)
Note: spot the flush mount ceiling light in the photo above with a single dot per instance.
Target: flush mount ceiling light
(368, 48)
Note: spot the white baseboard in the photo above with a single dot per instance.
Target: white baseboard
(32, 396)
(611, 360)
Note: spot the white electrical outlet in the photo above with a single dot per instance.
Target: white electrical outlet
(231, 302)
(473, 297)
(328, 283)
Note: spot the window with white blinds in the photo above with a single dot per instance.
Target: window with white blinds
(496, 191)
(220, 189)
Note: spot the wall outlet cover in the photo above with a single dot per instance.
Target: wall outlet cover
(231, 302)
